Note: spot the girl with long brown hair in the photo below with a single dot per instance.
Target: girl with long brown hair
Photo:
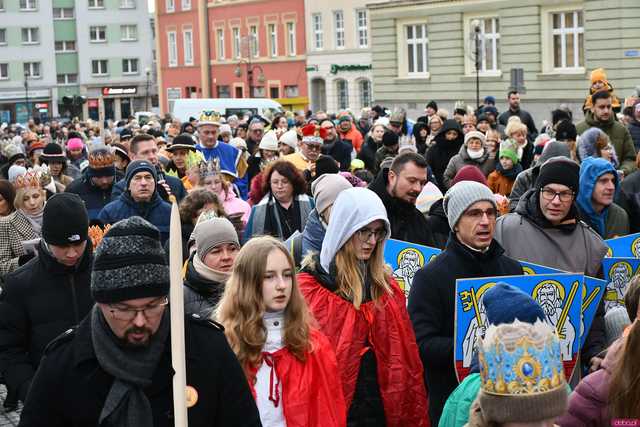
(362, 311)
(291, 367)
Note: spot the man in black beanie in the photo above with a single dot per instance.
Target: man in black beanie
(48, 295)
(115, 368)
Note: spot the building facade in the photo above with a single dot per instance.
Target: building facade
(339, 54)
(425, 49)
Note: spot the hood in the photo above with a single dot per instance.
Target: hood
(591, 120)
(591, 169)
(447, 126)
(353, 209)
(313, 233)
(465, 156)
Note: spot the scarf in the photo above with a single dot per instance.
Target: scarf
(35, 220)
(520, 149)
(474, 155)
(209, 273)
(509, 173)
(126, 404)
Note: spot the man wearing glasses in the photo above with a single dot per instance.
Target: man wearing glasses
(309, 149)
(115, 367)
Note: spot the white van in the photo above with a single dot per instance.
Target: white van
(192, 107)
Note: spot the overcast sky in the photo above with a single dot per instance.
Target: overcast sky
(152, 6)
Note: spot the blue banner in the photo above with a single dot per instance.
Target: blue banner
(617, 273)
(531, 268)
(559, 295)
(626, 246)
(406, 259)
(592, 292)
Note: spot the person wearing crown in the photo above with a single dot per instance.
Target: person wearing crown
(211, 179)
(309, 149)
(96, 182)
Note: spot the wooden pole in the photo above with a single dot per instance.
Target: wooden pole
(176, 301)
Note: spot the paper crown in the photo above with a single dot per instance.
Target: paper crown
(209, 117)
(520, 358)
(101, 159)
(209, 168)
(96, 233)
(31, 179)
(313, 133)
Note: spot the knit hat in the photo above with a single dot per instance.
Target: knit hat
(65, 220)
(15, 171)
(325, 190)
(490, 100)
(598, 75)
(490, 109)
(344, 117)
(397, 117)
(521, 373)
(225, 128)
(183, 141)
(326, 164)
(37, 145)
(101, 162)
(505, 304)
(52, 153)
(13, 152)
(509, 149)
(138, 166)
(129, 263)
(566, 131)
(462, 195)
(290, 138)
(559, 170)
(389, 139)
(214, 232)
(269, 141)
(75, 144)
(238, 143)
(474, 134)
(470, 173)
(553, 149)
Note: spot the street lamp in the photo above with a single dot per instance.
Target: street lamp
(148, 72)
(250, 70)
(26, 93)
(476, 31)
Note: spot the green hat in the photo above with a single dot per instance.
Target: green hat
(508, 149)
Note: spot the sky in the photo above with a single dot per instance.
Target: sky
(152, 5)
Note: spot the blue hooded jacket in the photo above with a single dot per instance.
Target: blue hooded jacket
(591, 169)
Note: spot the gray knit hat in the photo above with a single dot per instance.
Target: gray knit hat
(214, 232)
(462, 195)
(325, 189)
(129, 263)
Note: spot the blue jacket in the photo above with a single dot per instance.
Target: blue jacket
(591, 169)
(94, 197)
(157, 212)
(313, 234)
(177, 189)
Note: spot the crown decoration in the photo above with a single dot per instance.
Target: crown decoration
(206, 216)
(313, 133)
(209, 117)
(28, 180)
(96, 233)
(101, 159)
(209, 168)
(520, 358)
(194, 158)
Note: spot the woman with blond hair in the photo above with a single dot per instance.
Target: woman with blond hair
(362, 310)
(291, 367)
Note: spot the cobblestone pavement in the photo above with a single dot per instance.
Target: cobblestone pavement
(8, 419)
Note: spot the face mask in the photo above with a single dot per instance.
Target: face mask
(475, 154)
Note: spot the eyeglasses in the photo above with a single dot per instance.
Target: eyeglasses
(149, 311)
(313, 147)
(364, 234)
(564, 196)
(479, 213)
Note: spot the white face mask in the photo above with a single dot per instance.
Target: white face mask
(475, 154)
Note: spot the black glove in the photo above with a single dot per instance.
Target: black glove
(23, 259)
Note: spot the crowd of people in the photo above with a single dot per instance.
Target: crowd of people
(293, 316)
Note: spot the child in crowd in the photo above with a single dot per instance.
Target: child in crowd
(501, 180)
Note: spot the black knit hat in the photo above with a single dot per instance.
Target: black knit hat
(65, 220)
(389, 139)
(183, 141)
(53, 153)
(566, 131)
(432, 104)
(129, 263)
(559, 170)
(326, 164)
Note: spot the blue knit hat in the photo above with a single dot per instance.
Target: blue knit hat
(140, 166)
(505, 303)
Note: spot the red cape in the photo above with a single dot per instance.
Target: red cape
(385, 323)
(308, 388)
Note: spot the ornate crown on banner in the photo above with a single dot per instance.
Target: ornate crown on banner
(209, 117)
(209, 168)
(520, 358)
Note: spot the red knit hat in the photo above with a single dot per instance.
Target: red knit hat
(470, 173)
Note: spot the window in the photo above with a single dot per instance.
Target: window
(291, 38)
(96, 4)
(365, 93)
(170, 5)
(343, 94)
(128, 33)
(417, 48)
(1, 5)
(568, 40)
(65, 46)
(318, 35)
(62, 13)
(173, 49)
(67, 79)
(363, 29)
(236, 42)
(186, 4)
(3, 36)
(274, 92)
(98, 34)
(338, 26)
(173, 93)
(127, 4)
(255, 48)
(187, 38)
(28, 5)
(32, 70)
(489, 45)
(273, 40)
(291, 91)
(99, 67)
(4, 71)
(220, 37)
(224, 91)
(129, 66)
(258, 92)
(30, 36)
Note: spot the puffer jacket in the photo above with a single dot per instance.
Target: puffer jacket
(94, 197)
(634, 130)
(456, 410)
(629, 199)
(200, 295)
(441, 152)
(157, 212)
(484, 163)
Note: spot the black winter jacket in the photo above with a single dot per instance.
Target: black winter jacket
(39, 301)
(525, 118)
(439, 154)
(368, 154)
(70, 387)
(200, 295)
(407, 222)
(341, 153)
(432, 305)
(439, 224)
(94, 197)
(629, 199)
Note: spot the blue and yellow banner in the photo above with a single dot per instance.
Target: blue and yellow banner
(625, 246)
(618, 272)
(406, 259)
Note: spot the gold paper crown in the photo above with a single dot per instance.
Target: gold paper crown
(209, 168)
(30, 179)
(209, 117)
(96, 233)
(101, 159)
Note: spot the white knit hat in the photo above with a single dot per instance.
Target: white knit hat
(269, 141)
(290, 138)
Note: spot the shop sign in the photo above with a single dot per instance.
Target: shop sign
(110, 91)
(92, 103)
(20, 94)
(335, 68)
(42, 105)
